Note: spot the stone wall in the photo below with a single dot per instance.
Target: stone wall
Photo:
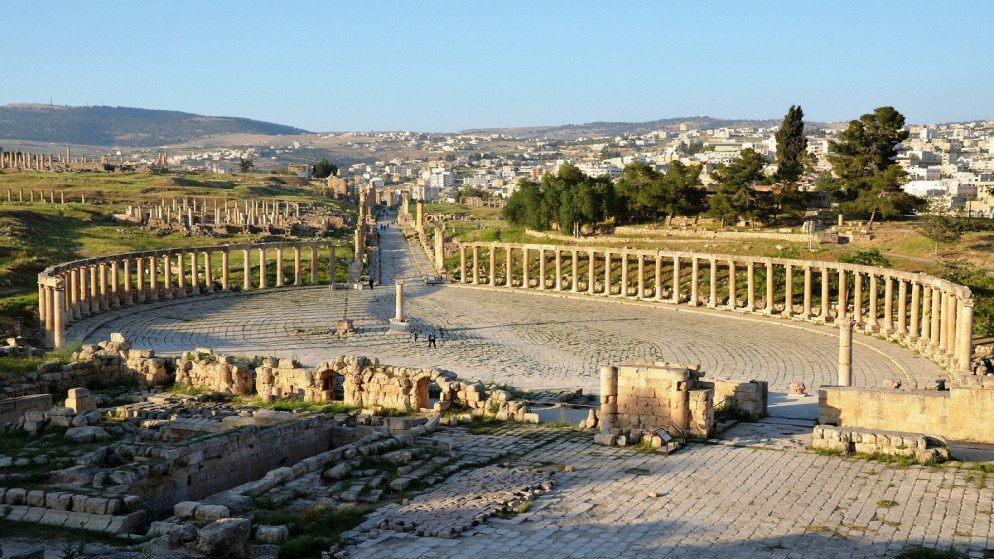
(367, 383)
(203, 468)
(649, 397)
(202, 368)
(957, 413)
(749, 398)
(13, 409)
(283, 379)
(848, 440)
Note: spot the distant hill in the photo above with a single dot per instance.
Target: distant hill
(121, 126)
(596, 129)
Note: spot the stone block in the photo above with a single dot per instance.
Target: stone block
(185, 509)
(272, 534)
(228, 536)
(606, 439)
(210, 513)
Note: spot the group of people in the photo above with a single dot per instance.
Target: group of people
(431, 339)
(382, 226)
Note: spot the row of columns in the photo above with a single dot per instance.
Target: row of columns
(924, 312)
(76, 290)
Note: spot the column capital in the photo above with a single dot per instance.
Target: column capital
(846, 323)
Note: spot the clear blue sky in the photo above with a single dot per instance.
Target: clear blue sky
(451, 65)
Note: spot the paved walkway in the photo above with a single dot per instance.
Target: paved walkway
(528, 339)
(764, 498)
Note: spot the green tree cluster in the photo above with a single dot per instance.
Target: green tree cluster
(792, 159)
(569, 199)
(735, 195)
(868, 181)
(646, 195)
(323, 169)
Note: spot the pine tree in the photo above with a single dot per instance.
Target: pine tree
(791, 146)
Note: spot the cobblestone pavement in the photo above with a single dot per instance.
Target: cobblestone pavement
(528, 339)
(712, 501)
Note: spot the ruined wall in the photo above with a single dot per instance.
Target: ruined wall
(751, 398)
(956, 413)
(13, 409)
(649, 397)
(283, 379)
(203, 468)
(220, 373)
(367, 383)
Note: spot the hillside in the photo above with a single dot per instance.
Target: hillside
(121, 126)
(599, 129)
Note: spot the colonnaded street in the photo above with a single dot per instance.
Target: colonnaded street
(531, 339)
(756, 492)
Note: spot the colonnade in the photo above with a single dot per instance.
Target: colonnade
(929, 314)
(83, 288)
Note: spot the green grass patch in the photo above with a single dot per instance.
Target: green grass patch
(919, 552)
(312, 530)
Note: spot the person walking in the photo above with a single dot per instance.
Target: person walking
(414, 338)
(431, 340)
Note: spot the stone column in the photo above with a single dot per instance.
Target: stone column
(913, 333)
(695, 281)
(42, 310)
(194, 272)
(871, 320)
(806, 312)
(297, 276)
(676, 280)
(140, 279)
(750, 286)
(657, 279)
(607, 273)
(247, 269)
(926, 328)
(933, 337)
(314, 267)
(208, 272)
(591, 263)
(279, 266)
(153, 278)
(541, 268)
(509, 266)
(84, 291)
(94, 290)
(574, 271)
(262, 267)
(949, 320)
(476, 264)
(181, 274)
(842, 308)
(640, 283)
(732, 289)
(492, 272)
(609, 399)
(74, 294)
(770, 293)
(526, 281)
(857, 299)
(462, 263)
(50, 315)
(845, 351)
(623, 288)
(115, 281)
(559, 270)
(902, 307)
(825, 293)
(713, 297)
(400, 302)
(888, 327)
(226, 272)
(964, 346)
(127, 296)
(167, 276)
(104, 299)
(59, 317)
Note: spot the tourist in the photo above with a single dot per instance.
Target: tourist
(431, 340)
(414, 338)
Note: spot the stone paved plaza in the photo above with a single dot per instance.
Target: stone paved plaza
(528, 339)
(757, 492)
(756, 499)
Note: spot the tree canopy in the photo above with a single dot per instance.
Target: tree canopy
(868, 181)
(323, 169)
(792, 145)
(569, 199)
(735, 196)
(646, 195)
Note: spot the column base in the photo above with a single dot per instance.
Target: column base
(399, 327)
